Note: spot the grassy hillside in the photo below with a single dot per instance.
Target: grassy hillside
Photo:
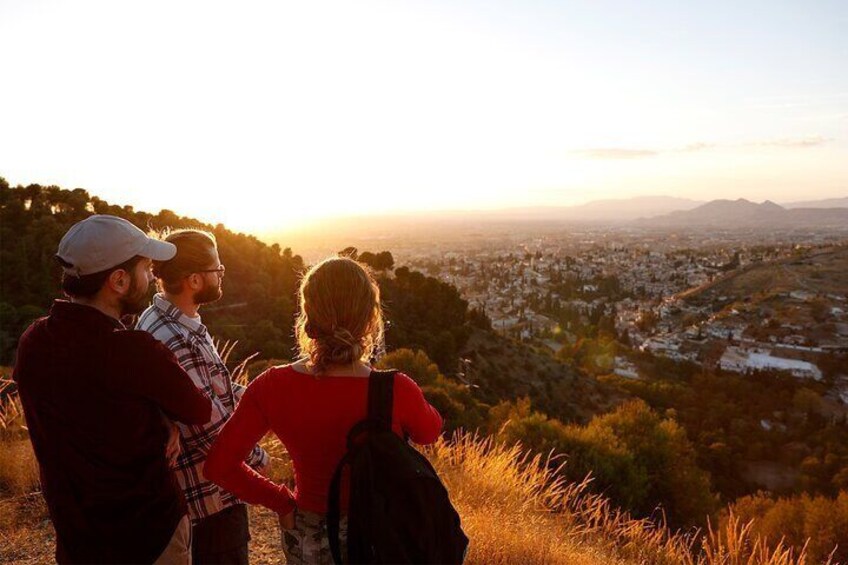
(514, 506)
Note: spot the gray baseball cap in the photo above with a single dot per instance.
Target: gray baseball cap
(101, 242)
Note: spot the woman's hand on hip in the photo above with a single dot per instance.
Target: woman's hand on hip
(287, 521)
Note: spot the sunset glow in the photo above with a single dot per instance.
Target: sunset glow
(266, 114)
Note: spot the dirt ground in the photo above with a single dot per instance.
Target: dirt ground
(27, 537)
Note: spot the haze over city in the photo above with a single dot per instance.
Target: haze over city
(266, 115)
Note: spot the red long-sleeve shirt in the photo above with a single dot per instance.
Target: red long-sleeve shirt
(311, 416)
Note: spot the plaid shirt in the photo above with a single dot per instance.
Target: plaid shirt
(190, 342)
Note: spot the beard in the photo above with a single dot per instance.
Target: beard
(136, 299)
(207, 294)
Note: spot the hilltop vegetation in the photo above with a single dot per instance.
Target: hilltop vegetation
(257, 309)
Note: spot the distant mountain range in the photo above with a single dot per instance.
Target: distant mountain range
(670, 210)
(627, 209)
(741, 213)
(827, 203)
(611, 210)
(642, 211)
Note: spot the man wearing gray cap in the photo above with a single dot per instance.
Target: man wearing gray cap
(95, 396)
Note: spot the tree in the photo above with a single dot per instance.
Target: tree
(817, 522)
(454, 401)
(385, 261)
(639, 459)
(367, 258)
(416, 364)
(350, 251)
(425, 313)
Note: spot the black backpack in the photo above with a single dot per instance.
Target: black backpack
(399, 510)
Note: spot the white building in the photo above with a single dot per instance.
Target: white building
(739, 360)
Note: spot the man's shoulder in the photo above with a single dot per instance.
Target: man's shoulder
(136, 346)
(34, 341)
(34, 329)
(162, 327)
(134, 339)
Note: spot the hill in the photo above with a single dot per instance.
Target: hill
(612, 210)
(742, 214)
(757, 421)
(824, 272)
(626, 209)
(826, 203)
(793, 307)
(505, 370)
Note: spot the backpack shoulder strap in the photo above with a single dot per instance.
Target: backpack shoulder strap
(381, 386)
(334, 510)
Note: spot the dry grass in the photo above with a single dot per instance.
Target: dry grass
(18, 467)
(11, 413)
(26, 534)
(515, 508)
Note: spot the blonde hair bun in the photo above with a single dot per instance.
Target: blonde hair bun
(340, 319)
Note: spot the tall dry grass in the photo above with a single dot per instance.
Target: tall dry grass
(18, 466)
(11, 412)
(516, 508)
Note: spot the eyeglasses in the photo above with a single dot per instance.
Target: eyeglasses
(221, 270)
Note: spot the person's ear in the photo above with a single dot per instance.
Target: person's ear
(194, 281)
(119, 281)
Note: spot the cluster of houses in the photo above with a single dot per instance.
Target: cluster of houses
(519, 287)
(727, 342)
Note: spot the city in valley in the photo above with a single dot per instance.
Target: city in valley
(740, 300)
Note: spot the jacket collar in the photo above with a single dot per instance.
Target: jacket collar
(84, 314)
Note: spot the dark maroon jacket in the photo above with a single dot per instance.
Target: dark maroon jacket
(94, 395)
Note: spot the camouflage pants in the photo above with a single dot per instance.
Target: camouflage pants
(307, 542)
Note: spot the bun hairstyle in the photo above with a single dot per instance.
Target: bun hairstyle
(340, 319)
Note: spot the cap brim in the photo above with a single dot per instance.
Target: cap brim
(159, 250)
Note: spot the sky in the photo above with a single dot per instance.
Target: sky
(263, 115)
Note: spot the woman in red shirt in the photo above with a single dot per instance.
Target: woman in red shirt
(312, 404)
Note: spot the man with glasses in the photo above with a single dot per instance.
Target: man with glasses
(194, 277)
